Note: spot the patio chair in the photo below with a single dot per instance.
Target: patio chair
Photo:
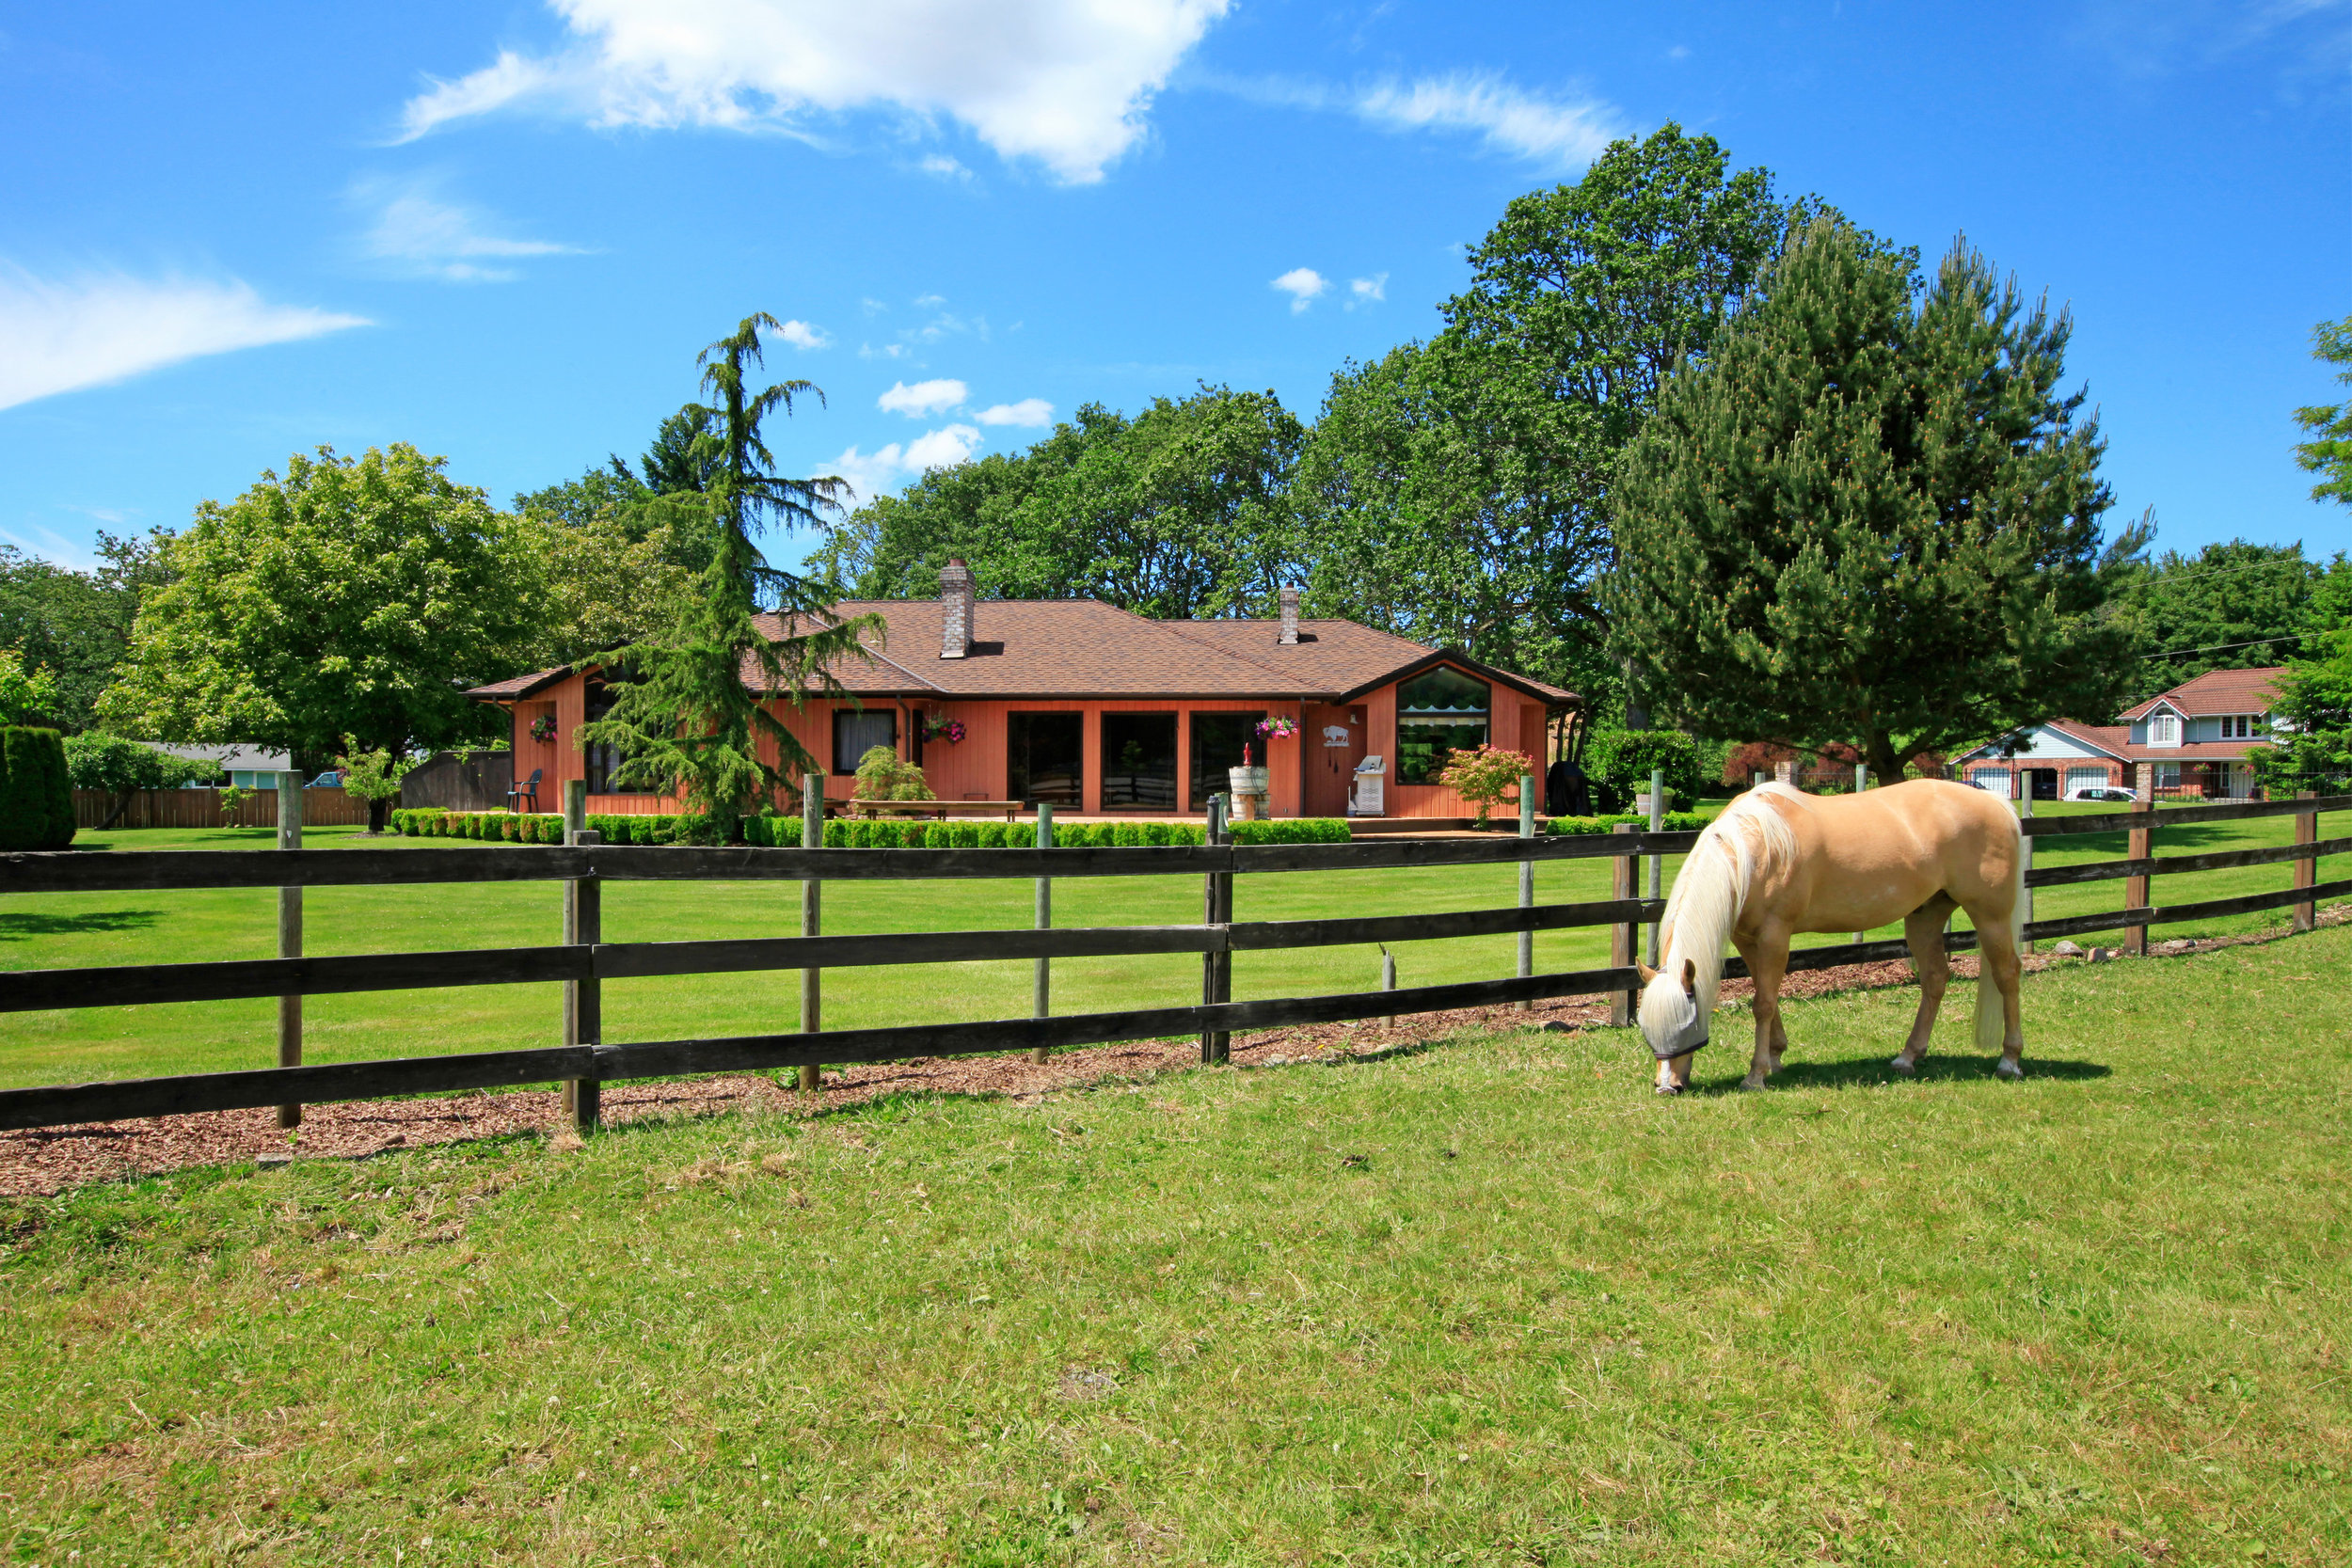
(526, 790)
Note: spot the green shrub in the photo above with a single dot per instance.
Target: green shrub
(1624, 758)
(1295, 830)
(991, 836)
(36, 790)
(1673, 822)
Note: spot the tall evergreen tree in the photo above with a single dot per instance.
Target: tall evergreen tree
(1870, 515)
(689, 707)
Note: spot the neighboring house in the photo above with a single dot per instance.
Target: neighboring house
(2192, 741)
(1098, 711)
(247, 767)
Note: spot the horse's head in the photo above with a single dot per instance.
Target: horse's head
(1671, 1021)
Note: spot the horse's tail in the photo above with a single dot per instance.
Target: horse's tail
(1991, 1026)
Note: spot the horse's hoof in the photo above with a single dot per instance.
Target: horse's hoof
(1669, 1088)
(2008, 1068)
(1751, 1083)
(1902, 1066)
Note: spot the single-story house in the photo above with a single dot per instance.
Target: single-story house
(2193, 740)
(1098, 711)
(247, 767)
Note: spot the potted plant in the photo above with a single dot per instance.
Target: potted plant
(1278, 728)
(938, 726)
(543, 728)
(1249, 786)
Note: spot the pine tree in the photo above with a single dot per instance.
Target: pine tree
(1870, 515)
(691, 709)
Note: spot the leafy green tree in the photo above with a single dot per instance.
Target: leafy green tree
(373, 775)
(1180, 513)
(2328, 452)
(25, 695)
(96, 760)
(355, 596)
(2235, 606)
(1462, 489)
(77, 625)
(690, 706)
(1870, 515)
(2316, 697)
(36, 795)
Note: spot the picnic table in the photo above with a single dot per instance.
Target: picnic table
(940, 809)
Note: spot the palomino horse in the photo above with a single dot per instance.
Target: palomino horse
(1777, 862)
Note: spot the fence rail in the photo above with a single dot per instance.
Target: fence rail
(585, 963)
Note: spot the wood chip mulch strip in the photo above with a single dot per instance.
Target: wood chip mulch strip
(49, 1160)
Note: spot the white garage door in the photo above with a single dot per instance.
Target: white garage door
(2085, 778)
(1992, 779)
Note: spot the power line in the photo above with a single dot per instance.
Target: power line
(2223, 647)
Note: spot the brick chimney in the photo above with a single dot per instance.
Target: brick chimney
(1290, 618)
(955, 602)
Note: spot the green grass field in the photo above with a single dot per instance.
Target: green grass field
(55, 930)
(1488, 1302)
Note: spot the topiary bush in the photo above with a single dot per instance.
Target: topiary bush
(1673, 822)
(35, 791)
(1297, 829)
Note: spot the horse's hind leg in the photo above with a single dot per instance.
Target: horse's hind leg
(1923, 928)
(1996, 950)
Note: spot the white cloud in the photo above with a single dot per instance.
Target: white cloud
(1067, 82)
(804, 335)
(1303, 284)
(1559, 133)
(419, 235)
(928, 302)
(1367, 291)
(870, 474)
(1029, 413)
(92, 330)
(945, 168)
(943, 448)
(888, 350)
(924, 397)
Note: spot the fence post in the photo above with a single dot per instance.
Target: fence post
(1042, 991)
(1656, 862)
(1623, 936)
(2135, 847)
(812, 918)
(1387, 979)
(2306, 869)
(583, 926)
(1861, 782)
(2024, 851)
(290, 936)
(1217, 909)
(1527, 879)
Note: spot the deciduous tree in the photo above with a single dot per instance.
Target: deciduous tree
(2328, 452)
(354, 596)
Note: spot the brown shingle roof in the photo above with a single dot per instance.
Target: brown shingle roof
(1083, 648)
(2217, 693)
(520, 685)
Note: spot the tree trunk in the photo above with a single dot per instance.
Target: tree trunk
(379, 812)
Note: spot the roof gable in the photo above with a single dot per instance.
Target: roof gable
(2217, 693)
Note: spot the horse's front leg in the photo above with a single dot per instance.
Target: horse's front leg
(1923, 929)
(1767, 964)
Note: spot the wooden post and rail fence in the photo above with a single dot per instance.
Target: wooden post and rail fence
(584, 1060)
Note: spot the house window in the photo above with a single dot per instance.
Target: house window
(1218, 738)
(1139, 761)
(604, 761)
(1045, 758)
(2238, 726)
(1437, 715)
(2164, 729)
(858, 731)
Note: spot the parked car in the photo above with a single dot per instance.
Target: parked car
(2099, 792)
(331, 779)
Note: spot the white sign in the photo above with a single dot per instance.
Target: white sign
(1335, 735)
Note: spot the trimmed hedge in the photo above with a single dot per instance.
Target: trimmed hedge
(35, 791)
(783, 833)
(1673, 822)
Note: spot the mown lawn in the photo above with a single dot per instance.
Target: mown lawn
(1489, 1302)
(55, 930)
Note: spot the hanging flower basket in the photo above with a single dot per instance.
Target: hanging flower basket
(939, 727)
(1278, 729)
(543, 728)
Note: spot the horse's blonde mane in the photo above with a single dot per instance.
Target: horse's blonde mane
(1708, 893)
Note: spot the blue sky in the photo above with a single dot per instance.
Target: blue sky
(503, 233)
